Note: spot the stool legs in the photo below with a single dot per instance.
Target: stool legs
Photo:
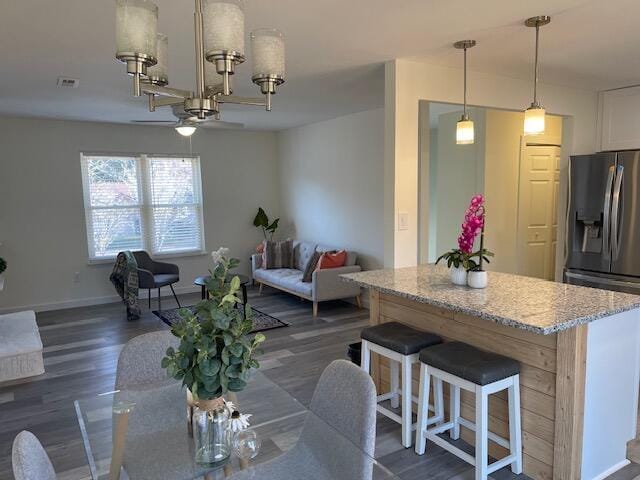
(395, 383)
(515, 435)
(454, 411)
(365, 356)
(407, 412)
(423, 409)
(482, 428)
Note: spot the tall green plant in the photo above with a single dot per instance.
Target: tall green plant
(215, 354)
(262, 221)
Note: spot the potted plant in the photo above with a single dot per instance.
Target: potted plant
(214, 357)
(474, 223)
(3, 267)
(462, 260)
(261, 220)
(459, 262)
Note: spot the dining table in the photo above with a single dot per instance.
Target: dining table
(143, 433)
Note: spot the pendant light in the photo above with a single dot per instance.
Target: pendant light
(534, 115)
(464, 129)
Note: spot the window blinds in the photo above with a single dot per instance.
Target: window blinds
(142, 202)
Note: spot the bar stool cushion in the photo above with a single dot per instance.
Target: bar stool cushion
(399, 338)
(470, 363)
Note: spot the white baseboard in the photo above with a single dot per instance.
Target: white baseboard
(612, 470)
(86, 302)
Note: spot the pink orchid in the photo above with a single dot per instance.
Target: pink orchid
(473, 224)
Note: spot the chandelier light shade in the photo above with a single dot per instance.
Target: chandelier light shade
(267, 48)
(223, 26)
(136, 27)
(158, 73)
(534, 115)
(219, 47)
(465, 134)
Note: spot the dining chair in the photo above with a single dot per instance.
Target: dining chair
(153, 274)
(29, 459)
(139, 361)
(344, 403)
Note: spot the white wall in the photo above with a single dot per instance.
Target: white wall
(407, 82)
(331, 181)
(42, 224)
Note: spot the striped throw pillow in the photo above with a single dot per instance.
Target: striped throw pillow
(278, 254)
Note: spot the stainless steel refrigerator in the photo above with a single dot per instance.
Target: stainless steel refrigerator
(603, 242)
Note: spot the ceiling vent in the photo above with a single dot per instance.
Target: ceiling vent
(68, 82)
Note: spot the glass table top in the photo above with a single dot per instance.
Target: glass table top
(157, 444)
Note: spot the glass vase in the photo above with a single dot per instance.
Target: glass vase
(211, 432)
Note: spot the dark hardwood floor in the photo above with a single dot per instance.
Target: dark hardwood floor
(81, 347)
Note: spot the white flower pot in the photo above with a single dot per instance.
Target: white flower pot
(458, 275)
(477, 279)
(1, 282)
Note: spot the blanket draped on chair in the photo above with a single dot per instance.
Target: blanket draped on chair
(125, 278)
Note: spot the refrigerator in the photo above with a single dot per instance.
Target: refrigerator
(603, 222)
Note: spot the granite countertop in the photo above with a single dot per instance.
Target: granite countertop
(538, 306)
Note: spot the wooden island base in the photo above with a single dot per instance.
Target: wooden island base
(552, 381)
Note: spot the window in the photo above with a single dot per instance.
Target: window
(142, 202)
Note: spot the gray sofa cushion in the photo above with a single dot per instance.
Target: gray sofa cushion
(302, 252)
(287, 278)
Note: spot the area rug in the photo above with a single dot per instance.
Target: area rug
(261, 321)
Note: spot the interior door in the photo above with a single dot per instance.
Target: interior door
(625, 216)
(537, 213)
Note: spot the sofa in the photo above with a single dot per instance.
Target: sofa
(325, 284)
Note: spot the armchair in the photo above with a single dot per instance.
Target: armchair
(153, 274)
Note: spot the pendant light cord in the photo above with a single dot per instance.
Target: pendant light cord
(535, 71)
(464, 108)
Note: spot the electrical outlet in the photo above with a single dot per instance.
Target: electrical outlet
(76, 277)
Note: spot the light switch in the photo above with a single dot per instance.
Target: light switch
(403, 221)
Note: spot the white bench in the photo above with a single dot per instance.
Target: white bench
(20, 346)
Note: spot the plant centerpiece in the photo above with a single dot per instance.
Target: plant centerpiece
(3, 267)
(214, 357)
(462, 260)
(262, 221)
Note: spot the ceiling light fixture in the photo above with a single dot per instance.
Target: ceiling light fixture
(534, 115)
(219, 44)
(185, 130)
(464, 129)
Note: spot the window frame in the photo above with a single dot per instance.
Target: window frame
(145, 203)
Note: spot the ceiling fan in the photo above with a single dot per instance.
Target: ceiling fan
(187, 123)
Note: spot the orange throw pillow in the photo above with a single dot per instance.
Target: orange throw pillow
(332, 260)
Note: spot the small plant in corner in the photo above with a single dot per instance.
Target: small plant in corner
(262, 221)
(3, 265)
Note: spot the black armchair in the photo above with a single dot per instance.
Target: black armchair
(152, 274)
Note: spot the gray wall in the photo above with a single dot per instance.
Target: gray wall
(331, 181)
(42, 223)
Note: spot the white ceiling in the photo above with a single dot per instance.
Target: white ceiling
(335, 51)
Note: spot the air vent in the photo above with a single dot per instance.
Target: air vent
(67, 82)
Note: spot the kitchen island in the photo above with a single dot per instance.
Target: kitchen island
(579, 350)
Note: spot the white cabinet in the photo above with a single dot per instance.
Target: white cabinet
(619, 119)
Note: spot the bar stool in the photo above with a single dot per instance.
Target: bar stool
(480, 372)
(401, 344)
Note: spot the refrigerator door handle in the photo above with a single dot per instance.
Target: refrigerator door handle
(606, 251)
(615, 213)
(602, 280)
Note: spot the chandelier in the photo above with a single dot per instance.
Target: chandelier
(219, 46)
